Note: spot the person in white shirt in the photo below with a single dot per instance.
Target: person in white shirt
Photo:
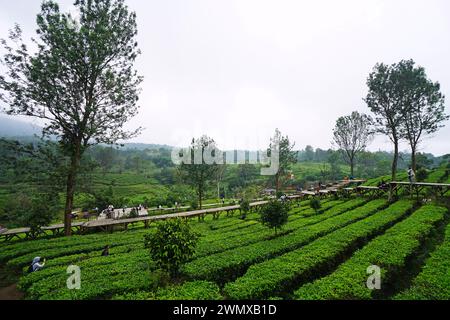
(411, 175)
(37, 264)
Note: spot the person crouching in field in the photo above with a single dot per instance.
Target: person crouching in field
(36, 265)
(105, 252)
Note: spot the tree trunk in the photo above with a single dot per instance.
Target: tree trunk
(218, 189)
(200, 196)
(352, 165)
(413, 158)
(277, 183)
(394, 161)
(70, 189)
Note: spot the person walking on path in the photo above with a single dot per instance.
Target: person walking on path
(411, 175)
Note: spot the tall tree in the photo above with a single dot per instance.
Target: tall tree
(422, 105)
(197, 171)
(352, 134)
(309, 153)
(80, 80)
(286, 157)
(383, 99)
(219, 177)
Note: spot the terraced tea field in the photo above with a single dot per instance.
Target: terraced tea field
(323, 255)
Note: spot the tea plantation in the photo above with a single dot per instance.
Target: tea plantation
(316, 255)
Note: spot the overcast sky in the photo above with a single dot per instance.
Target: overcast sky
(238, 69)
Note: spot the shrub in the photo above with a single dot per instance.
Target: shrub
(194, 204)
(275, 214)
(171, 245)
(315, 204)
(421, 174)
(33, 212)
(133, 213)
(245, 208)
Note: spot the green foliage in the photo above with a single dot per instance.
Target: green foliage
(276, 275)
(194, 170)
(244, 206)
(421, 174)
(433, 282)
(407, 105)
(229, 264)
(105, 197)
(242, 255)
(95, 50)
(315, 204)
(195, 290)
(171, 245)
(133, 213)
(194, 204)
(33, 212)
(384, 92)
(275, 214)
(352, 134)
(286, 157)
(390, 251)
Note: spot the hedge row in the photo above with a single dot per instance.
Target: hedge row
(116, 280)
(79, 247)
(23, 252)
(433, 282)
(281, 274)
(231, 263)
(25, 259)
(401, 176)
(195, 290)
(225, 225)
(62, 257)
(389, 251)
(219, 242)
(66, 260)
(211, 243)
(41, 246)
(17, 249)
(436, 175)
(130, 272)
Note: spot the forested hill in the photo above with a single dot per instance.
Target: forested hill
(15, 128)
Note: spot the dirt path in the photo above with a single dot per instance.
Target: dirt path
(10, 293)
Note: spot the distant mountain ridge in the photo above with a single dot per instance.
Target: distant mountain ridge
(16, 128)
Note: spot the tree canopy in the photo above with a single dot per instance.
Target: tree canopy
(286, 156)
(352, 134)
(422, 105)
(196, 171)
(81, 79)
(406, 104)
